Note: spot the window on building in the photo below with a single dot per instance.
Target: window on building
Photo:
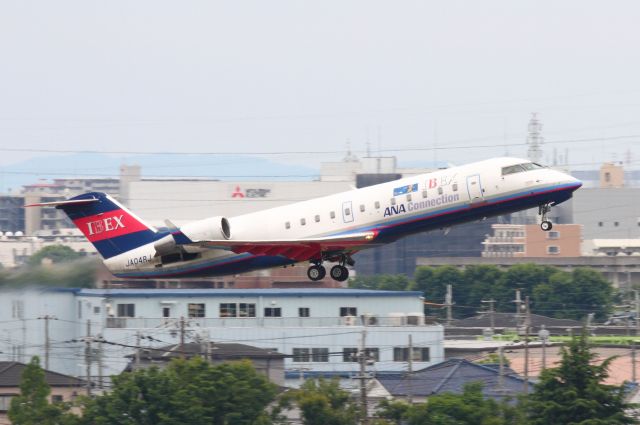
(607, 176)
(348, 311)
(304, 312)
(317, 218)
(166, 312)
(57, 398)
(126, 310)
(616, 224)
(553, 249)
(350, 354)
(361, 207)
(196, 310)
(373, 354)
(96, 309)
(600, 224)
(553, 234)
(301, 355)
(5, 402)
(319, 354)
(272, 312)
(377, 205)
(420, 354)
(228, 310)
(79, 309)
(17, 309)
(287, 225)
(246, 310)
(332, 214)
(303, 221)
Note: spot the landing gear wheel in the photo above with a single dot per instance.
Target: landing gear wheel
(316, 273)
(339, 273)
(546, 225)
(542, 211)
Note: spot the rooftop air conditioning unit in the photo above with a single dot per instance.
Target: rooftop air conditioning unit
(350, 320)
(369, 319)
(397, 319)
(415, 319)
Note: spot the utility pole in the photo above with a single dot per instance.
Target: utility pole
(526, 346)
(518, 302)
(410, 364)
(501, 369)
(633, 362)
(100, 364)
(448, 302)
(182, 325)
(637, 304)
(138, 350)
(492, 316)
(362, 359)
(47, 340)
(544, 337)
(87, 356)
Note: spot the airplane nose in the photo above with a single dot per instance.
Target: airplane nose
(577, 182)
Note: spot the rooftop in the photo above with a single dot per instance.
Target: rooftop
(11, 375)
(272, 292)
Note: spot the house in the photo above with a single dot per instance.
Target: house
(265, 361)
(451, 376)
(63, 387)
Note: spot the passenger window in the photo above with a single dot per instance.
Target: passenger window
(393, 201)
(454, 187)
(287, 225)
(361, 208)
(408, 197)
(303, 221)
(332, 214)
(440, 191)
(317, 219)
(377, 205)
(424, 193)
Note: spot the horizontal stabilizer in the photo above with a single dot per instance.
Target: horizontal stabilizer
(69, 203)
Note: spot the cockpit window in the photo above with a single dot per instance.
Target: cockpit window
(518, 168)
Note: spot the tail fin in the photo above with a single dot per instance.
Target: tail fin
(106, 223)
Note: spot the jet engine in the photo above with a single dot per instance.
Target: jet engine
(209, 229)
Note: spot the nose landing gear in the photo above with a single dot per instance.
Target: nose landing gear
(545, 224)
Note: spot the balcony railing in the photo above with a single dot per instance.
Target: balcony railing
(268, 322)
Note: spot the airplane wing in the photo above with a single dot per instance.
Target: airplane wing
(295, 249)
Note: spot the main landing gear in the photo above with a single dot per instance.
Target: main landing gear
(338, 272)
(545, 224)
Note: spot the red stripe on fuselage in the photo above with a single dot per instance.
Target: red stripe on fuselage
(108, 225)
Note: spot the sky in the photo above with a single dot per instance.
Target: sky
(296, 82)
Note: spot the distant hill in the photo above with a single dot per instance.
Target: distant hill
(239, 168)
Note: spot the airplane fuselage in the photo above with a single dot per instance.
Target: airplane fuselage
(391, 210)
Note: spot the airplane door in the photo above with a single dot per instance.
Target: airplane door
(347, 212)
(474, 188)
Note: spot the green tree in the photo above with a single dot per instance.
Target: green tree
(574, 393)
(55, 253)
(521, 276)
(32, 406)
(323, 402)
(186, 392)
(385, 282)
(574, 295)
(468, 408)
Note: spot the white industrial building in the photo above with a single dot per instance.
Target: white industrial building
(320, 329)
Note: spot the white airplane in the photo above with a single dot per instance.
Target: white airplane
(328, 229)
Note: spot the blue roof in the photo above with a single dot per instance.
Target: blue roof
(272, 292)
